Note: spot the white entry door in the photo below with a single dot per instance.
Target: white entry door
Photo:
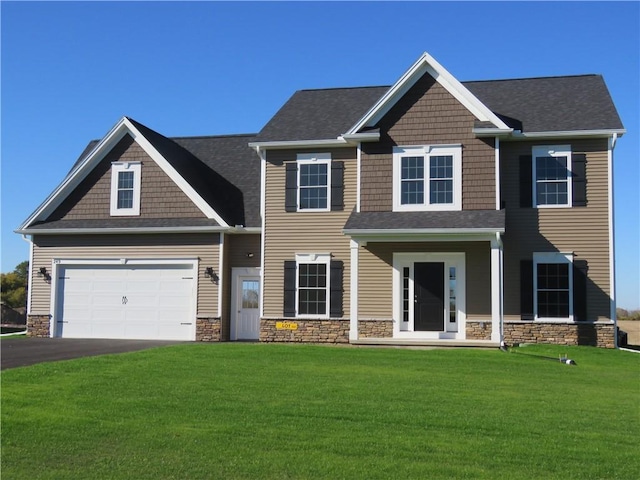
(245, 304)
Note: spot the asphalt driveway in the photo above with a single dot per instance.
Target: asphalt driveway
(19, 352)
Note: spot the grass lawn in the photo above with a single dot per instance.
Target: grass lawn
(300, 411)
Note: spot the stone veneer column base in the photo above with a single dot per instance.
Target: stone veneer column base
(594, 334)
(478, 330)
(307, 331)
(208, 329)
(38, 325)
(375, 328)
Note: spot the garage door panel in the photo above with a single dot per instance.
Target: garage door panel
(121, 301)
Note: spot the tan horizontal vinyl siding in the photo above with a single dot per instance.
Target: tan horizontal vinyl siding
(375, 285)
(204, 247)
(288, 233)
(428, 115)
(581, 230)
(160, 197)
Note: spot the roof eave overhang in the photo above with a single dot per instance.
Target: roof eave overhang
(492, 132)
(119, 231)
(423, 234)
(291, 144)
(601, 133)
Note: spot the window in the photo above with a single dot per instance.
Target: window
(551, 174)
(314, 187)
(553, 285)
(125, 188)
(427, 178)
(313, 286)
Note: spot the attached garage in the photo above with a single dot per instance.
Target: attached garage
(130, 301)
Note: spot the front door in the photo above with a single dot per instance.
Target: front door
(246, 303)
(429, 290)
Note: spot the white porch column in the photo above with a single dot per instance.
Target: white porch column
(496, 289)
(353, 289)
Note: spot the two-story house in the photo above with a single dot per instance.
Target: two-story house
(428, 212)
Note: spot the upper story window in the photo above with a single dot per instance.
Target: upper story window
(125, 188)
(552, 186)
(427, 178)
(314, 183)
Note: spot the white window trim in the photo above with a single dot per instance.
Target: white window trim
(310, 159)
(455, 150)
(319, 258)
(116, 168)
(552, 257)
(550, 151)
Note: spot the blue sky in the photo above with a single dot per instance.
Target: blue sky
(71, 70)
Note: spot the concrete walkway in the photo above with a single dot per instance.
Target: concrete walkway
(19, 352)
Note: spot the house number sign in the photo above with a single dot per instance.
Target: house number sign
(286, 326)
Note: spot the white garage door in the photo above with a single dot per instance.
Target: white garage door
(137, 302)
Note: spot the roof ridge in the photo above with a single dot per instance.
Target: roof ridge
(532, 78)
(228, 135)
(342, 88)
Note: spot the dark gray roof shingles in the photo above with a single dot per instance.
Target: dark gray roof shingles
(465, 219)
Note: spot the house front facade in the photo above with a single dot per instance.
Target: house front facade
(431, 212)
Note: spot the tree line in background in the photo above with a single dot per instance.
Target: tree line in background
(627, 314)
(14, 286)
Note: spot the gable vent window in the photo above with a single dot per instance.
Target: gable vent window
(125, 189)
(427, 178)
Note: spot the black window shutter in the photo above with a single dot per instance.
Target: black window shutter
(526, 289)
(579, 179)
(580, 269)
(337, 186)
(290, 288)
(525, 181)
(291, 188)
(335, 297)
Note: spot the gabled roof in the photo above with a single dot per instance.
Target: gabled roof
(550, 104)
(562, 104)
(319, 114)
(200, 166)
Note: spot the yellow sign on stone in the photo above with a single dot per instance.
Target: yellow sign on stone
(286, 326)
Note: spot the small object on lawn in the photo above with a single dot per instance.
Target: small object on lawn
(504, 347)
(566, 361)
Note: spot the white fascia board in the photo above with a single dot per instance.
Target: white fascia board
(112, 231)
(568, 133)
(187, 189)
(284, 144)
(73, 178)
(427, 64)
(421, 231)
(361, 137)
(491, 132)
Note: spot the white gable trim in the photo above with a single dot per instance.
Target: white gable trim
(427, 64)
(73, 179)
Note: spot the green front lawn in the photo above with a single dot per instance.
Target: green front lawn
(299, 411)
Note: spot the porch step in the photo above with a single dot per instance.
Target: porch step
(404, 342)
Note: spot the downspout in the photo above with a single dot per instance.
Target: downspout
(612, 265)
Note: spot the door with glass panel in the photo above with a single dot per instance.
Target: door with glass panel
(245, 316)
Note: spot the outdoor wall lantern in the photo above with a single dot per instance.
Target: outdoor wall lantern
(44, 274)
(208, 272)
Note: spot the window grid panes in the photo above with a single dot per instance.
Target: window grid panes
(405, 294)
(552, 181)
(553, 290)
(412, 180)
(250, 289)
(452, 295)
(312, 289)
(313, 185)
(125, 189)
(441, 179)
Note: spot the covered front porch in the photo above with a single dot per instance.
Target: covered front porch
(426, 286)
